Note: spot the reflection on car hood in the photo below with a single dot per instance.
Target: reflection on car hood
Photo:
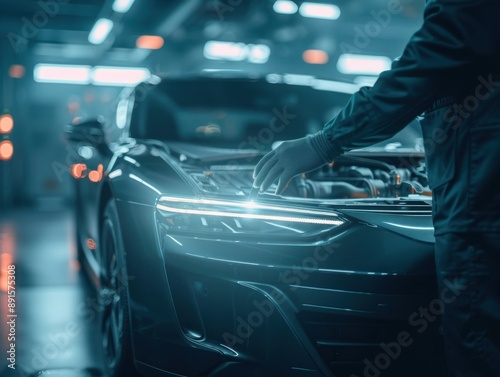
(209, 154)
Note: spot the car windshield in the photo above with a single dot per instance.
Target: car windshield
(239, 113)
(234, 113)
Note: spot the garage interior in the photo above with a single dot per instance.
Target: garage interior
(63, 60)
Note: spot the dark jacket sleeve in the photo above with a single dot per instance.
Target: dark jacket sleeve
(458, 38)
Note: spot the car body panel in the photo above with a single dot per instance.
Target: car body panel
(251, 305)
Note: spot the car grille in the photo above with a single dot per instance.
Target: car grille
(348, 344)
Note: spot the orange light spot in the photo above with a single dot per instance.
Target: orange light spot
(91, 244)
(5, 262)
(17, 71)
(96, 175)
(6, 150)
(315, 56)
(6, 123)
(77, 170)
(150, 42)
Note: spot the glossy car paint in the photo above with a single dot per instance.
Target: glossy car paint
(209, 306)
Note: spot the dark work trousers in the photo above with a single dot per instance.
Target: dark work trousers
(468, 270)
(462, 142)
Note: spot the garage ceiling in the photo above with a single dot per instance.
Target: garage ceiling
(57, 30)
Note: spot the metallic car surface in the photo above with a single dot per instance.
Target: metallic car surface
(341, 300)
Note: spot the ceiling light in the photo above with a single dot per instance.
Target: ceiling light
(258, 54)
(315, 56)
(122, 6)
(232, 51)
(57, 73)
(100, 31)
(225, 50)
(363, 64)
(285, 7)
(294, 79)
(119, 76)
(314, 10)
(335, 86)
(150, 42)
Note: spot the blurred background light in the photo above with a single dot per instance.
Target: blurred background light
(100, 31)
(294, 79)
(58, 73)
(365, 80)
(258, 53)
(6, 124)
(122, 6)
(150, 42)
(77, 170)
(231, 51)
(363, 64)
(285, 7)
(315, 10)
(315, 57)
(17, 71)
(225, 51)
(119, 76)
(335, 86)
(96, 175)
(6, 150)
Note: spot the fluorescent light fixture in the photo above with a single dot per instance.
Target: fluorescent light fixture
(64, 74)
(293, 79)
(285, 7)
(351, 64)
(122, 6)
(273, 78)
(335, 86)
(225, 51)
(365, 80)
(100, 31)
(315, 10)
(254, 53)
(119, 76)
(258, 54)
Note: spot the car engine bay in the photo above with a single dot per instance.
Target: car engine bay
(349, 177)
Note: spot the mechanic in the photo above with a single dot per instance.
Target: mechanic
(450, 73)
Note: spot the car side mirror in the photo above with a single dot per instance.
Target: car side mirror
(88, 132)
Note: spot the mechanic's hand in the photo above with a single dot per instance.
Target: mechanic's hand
(291, 158)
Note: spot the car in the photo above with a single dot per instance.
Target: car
(197, 276)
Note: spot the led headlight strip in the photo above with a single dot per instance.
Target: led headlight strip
(246, 210)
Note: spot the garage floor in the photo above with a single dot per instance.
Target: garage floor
(57, 321)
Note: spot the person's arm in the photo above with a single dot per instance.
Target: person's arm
(457, 37)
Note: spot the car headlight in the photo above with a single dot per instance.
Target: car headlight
(214, 218)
